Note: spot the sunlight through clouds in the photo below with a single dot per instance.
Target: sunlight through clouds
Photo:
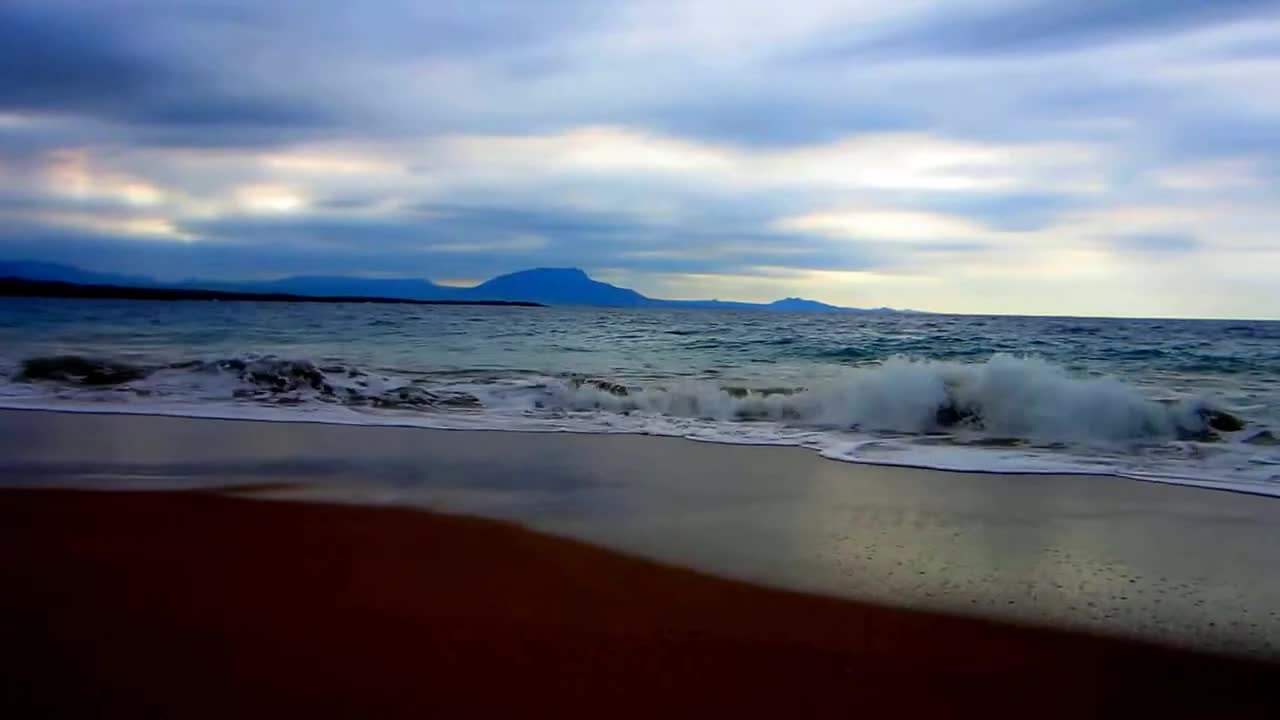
(981, 156)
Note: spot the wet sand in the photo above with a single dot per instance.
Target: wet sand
(1178, 565)
(185, 604)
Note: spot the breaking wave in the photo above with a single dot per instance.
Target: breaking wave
(1004, 397)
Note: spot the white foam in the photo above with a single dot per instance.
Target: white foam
(884, 415)
(844, 447)
(1007, 396)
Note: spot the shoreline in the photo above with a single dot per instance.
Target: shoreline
(1166, 563)
(13, 287)
(1191, 482)
(200, 604)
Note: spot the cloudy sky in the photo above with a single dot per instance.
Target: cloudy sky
(1109, 157)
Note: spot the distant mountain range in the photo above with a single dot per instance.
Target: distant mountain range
(548, 286)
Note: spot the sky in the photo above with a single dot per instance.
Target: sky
(974, 156)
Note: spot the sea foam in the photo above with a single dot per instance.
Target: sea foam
(1006, 396)
(1004, 414)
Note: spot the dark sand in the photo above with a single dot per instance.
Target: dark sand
(1173, 564)
(182, 604)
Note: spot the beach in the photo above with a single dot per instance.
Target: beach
(196, 605)
(308, 569)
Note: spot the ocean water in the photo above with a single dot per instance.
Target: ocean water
(1187, 401)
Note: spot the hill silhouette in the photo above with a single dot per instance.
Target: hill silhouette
(547, 286)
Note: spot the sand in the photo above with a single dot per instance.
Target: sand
(191, 604)
(1172, 564)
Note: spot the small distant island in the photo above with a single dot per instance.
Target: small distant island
(17, 287)
(564, 287)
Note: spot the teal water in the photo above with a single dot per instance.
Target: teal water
(1128, 397)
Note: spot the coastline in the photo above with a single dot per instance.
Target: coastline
(240, 415)
(198, 604)
(12, 287)
(1082, 552)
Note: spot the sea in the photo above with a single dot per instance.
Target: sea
(1184, 401)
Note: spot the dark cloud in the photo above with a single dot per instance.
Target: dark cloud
(1011, 211)
(56, 57)
(171, 260)
(1265, 48)
(179, 72)
(30, 201)
(1045, 25)
(97, 61)
(1156, 244)
(247, 73)
(471, 221)
(753, 113)
(1204, 133)
(458, 241)
(347, 202)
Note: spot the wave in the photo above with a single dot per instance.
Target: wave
(1006, 397)
(264, 378)
(1003, 397)
(80, 370)
(1004, 414)
(851, 353)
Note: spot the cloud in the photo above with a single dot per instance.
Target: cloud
(887, 225)
(115, 62)
(1021, 26)
(1218, 176)
(1157, 243)
(869, 161)
(64, 60)
(1044, 152)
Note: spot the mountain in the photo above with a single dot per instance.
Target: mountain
(795, 304)
(18, 287)
(549, 286)
(408, 288)
(56, 272)
(557, 286)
